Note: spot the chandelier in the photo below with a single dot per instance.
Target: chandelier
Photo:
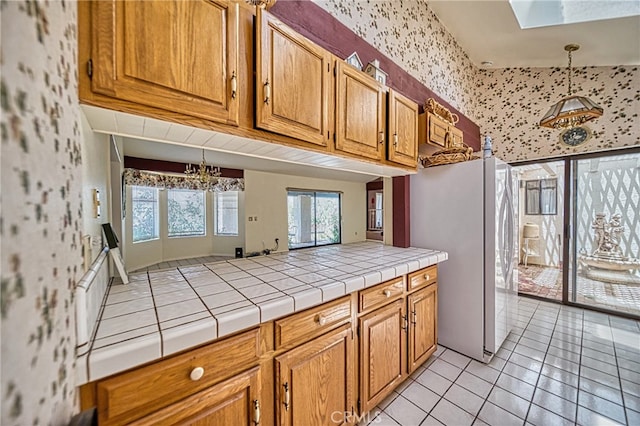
(571, 111)
(204, 174)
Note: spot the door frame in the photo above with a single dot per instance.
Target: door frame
(570, 213)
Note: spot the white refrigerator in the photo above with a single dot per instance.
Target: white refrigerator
(470, 210)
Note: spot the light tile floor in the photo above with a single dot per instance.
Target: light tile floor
(183, 262)
(560, 366)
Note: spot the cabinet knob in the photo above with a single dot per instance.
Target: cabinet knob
(321, 320)
(196, 374)
(387, 292)
(427, 277)
(234, 85)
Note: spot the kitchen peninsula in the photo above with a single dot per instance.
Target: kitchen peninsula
(287, 301)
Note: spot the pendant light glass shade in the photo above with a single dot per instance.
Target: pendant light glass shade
(571, 111)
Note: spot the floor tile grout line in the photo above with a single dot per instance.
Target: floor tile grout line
(615, 354)
(155, 311)
(494, 384)
(535, 387)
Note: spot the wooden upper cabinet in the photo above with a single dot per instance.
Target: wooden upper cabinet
(423, 329)
(180, 56)
(360, 113)
(403, 130)
(293, 78)
(234, 402)
(383, 343)
(315, 381)
(439, 132)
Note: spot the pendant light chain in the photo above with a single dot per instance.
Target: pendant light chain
(570, 71)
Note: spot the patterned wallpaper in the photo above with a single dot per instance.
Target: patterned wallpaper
(408, 32)
(512, 101)
(505, 103)
(41, 211)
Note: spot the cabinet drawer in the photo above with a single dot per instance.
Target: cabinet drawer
(380, 294)
(308, 324)
(422, 278)
(131, 395)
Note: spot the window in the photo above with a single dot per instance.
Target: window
(144, 217)
(226, 211)
(314, 218)
(186, 213)
(541, 197)
(375, 211)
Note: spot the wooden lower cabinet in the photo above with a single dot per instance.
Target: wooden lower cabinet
(304, 369)
(314, 383)
(233, 402)
(383, 343)
(423, 328)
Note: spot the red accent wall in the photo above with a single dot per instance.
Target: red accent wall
(318, 25)
(401, 214)
(171, 166)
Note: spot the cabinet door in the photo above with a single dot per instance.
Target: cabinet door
(293, 76)
(360, 115)
(438, 129)
(423, 328)
(382, 353)
(456, 135)
(177, 55)
(403, 130)
(315, 381)
(233, 402)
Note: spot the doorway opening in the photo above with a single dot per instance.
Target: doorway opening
(579, 228)
(375, 210)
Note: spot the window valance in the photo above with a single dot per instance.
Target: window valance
(165, 181)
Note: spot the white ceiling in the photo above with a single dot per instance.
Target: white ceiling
(160, 140)
(487, 30)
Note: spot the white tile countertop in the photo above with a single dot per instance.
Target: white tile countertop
(160, 313)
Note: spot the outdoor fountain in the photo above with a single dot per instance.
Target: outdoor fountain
(607, 262)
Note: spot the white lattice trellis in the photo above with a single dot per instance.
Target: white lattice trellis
(609, 186)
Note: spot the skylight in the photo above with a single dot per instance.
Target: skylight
(544, 13)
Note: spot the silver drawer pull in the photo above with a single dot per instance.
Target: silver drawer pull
(196, 374)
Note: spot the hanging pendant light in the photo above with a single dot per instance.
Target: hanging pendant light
(206, 175)
(571, 111)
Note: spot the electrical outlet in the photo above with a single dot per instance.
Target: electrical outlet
(250, 218)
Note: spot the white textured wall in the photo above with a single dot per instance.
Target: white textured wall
(42, 221)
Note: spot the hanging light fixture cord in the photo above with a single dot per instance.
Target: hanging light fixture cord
(569, 69)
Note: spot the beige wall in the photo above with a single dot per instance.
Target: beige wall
(266, 198)
(95, 175)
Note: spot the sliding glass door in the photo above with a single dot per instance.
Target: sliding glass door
(541, 222)
(580, 230)
(605, 233)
